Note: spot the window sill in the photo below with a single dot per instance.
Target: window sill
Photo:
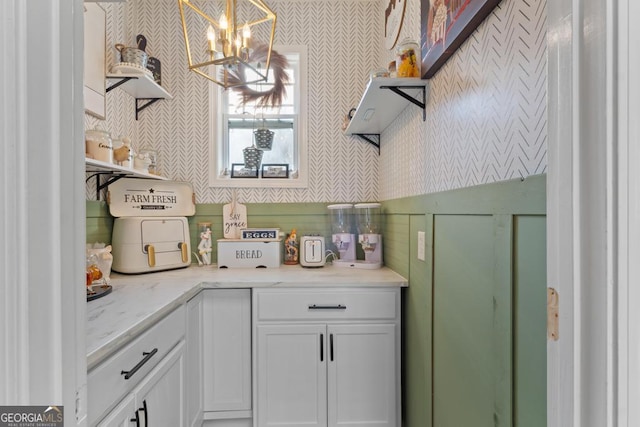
(228, 182)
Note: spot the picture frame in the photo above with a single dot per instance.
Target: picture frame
(276, 170)
(445, 25)
(239, 171)
(95, 38)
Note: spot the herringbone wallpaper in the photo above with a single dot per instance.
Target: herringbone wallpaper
(486, 113)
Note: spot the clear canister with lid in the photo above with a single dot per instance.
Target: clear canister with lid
(407, 59)
(341, 218)
(368, 218)
(151, 157)
(98, 145)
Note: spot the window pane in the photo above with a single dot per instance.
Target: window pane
(240, 121)
(282, 150)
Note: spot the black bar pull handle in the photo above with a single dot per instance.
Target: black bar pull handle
(147, 356)
(322, 347)
(136, 419)
(331, 346)
(146, 414)
(327, 307)
(144, 411)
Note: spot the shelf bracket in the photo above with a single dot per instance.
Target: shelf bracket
(140, 107)
(371, 138)
(112, 177)
(119, 83)
(422, 104)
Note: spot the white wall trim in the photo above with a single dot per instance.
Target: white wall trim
(13, 259)
(628, 336)
(561, 371)
(43, 358)
(582, 212)
(623, 216)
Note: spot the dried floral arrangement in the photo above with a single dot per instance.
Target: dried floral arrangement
(269, 98)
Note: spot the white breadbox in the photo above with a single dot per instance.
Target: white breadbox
(238, 253)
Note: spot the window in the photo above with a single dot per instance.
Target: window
(235, 127)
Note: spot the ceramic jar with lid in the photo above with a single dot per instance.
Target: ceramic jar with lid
(408, 59)
(98, 145)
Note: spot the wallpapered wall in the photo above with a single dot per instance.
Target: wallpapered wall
(486, 112)
(341, 53)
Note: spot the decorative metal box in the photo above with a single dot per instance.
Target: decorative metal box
(237, 253)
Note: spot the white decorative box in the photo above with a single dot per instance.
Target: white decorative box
(238, 253)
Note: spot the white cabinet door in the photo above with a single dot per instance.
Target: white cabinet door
(193, 365)
(226, 343)
(123, 415)
(362, 375)
(161, 393)
(291, 375)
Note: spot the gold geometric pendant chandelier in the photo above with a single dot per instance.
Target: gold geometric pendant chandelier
(225, 50)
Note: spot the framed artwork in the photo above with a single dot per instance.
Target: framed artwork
(393, 17)
(239, 171)
(275, 171)
(445, 25)
(94, 59)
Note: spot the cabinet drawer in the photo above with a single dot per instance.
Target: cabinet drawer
(106, 383)
(326, 304)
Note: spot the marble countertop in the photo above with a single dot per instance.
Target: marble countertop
(139, 301)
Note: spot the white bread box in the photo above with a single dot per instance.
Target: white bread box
(240, 253)
(151, 231)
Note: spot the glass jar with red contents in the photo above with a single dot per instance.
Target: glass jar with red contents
(408, 59)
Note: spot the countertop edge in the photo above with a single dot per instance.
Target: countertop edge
(111, 341)
(102, 353)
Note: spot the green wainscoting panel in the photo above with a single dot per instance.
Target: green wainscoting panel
(395, 237)
(464, 312)
(485, 266)
(530, 320)
(513, 197)
(306, 218)
(416, 320)
(503, 319)
(99, 222)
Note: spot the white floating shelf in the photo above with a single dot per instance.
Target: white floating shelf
(97, 166)
(140, 86)
(379, 105)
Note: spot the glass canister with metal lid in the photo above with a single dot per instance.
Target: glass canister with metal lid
(150, 157)
(407, 59)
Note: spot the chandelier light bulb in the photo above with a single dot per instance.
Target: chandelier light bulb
(211, 37)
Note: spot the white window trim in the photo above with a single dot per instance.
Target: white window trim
(216, 127)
